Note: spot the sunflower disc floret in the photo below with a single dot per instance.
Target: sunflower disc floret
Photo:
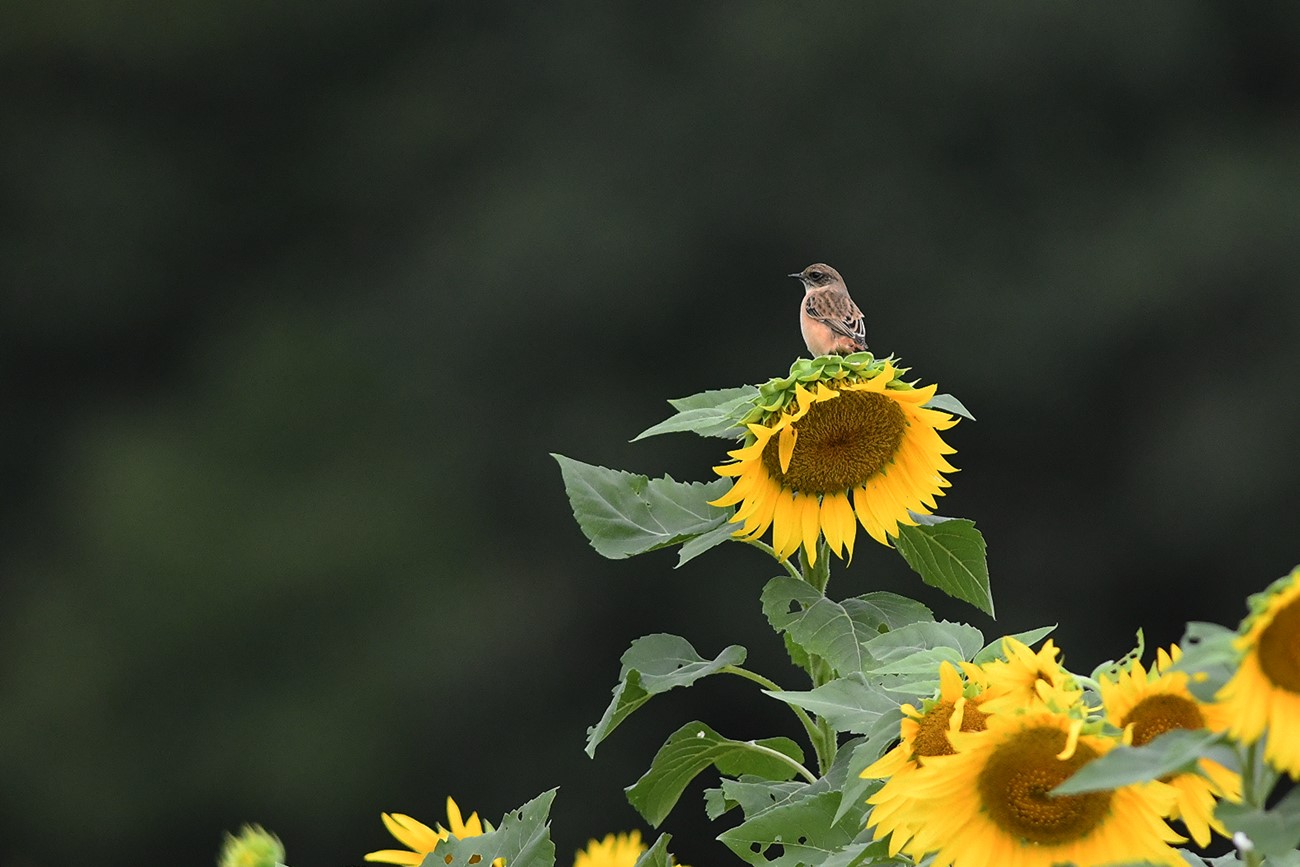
(840, 442)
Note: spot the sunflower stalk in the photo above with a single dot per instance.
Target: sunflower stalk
(818, 574)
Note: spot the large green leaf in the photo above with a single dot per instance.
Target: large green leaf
(709, 413)
(801, 831)
(849, 704)
(624, 514)
(1171, 753)
(655, 664)
(522, 838)
(833, 630)
(949, 553)
(695, 747)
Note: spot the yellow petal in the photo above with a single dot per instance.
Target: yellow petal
(395, 856)
(865, 517)
(411, 832)
(830, 521)
(786, 447)
(785, 525)
(950, 685)
(734, 495)
(810, 510)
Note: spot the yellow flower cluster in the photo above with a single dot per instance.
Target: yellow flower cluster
(616, 850)
(969, 782)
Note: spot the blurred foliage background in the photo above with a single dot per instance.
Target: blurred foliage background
(297, 297)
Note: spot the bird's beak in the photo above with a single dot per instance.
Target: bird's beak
(797, 276)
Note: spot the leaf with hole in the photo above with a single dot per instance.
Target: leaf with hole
(522, 838)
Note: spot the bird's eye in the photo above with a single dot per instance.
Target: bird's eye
(816, 275)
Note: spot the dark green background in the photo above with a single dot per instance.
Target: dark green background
(297, 297)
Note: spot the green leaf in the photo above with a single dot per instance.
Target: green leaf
(856, 788)
(522, 838)
(692, 749)
(948, 403)
(949, 553)
(890, 653)
(624, 514)
(849, 704)
(1030, 637)
(1208, 649)
(657, 855)
(752, 795)
(1274, 832)
(654, 664)
(884, 611)
(709, 413)
(801, 831)
(1172, 753)
(704, 542)
(831, 630)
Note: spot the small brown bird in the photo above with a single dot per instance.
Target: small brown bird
(828, 318)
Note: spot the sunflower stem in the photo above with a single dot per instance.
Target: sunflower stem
(771, 552)
(777, 754)
(810, 727)
(818, 575)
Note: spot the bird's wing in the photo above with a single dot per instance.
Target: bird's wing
(837, 312)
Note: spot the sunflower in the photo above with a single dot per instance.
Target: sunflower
(1148, 704)
(988, 802)
(843, 443)
(922, 733)
(420, 839)
(1264, 693)
(616, 850)
(1026, 680)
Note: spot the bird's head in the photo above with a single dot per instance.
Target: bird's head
(818, 275)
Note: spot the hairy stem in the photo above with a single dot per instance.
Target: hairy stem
(777, 754)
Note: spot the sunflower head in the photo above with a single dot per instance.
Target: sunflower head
(839, 442)
(990, 801)
(1146, 704)
(1026, 680)
(1263, 695)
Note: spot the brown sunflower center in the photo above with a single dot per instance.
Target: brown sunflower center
(932, 728)
(1279, 647)
(1015, 782)
(842, 443)
(1157, 714)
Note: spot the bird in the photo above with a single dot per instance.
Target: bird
(831, 323)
